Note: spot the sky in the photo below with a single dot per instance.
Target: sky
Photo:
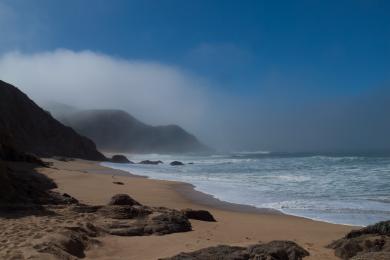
(241, 75)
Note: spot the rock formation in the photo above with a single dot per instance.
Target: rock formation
(118, 158)
(275, 250)
(26, 127)
(371, 242)
(116, 130)
(203, 215)
(176, 163)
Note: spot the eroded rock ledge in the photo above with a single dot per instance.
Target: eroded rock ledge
(275, 250)
(369, 243)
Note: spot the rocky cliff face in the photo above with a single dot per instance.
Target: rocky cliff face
(116, 130)
(26, 127)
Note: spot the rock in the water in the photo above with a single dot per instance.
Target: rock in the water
(203, 215)
(118, 182)
(275, 250)
(123, 199)
(363, 243)
(176, 163)
(118, 158)
(150, 162)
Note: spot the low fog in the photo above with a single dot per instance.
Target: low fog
(159, 94)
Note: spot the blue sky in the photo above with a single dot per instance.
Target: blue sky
(278, 58)
(337, 46)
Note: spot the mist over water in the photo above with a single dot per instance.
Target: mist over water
(340, 189)
(280, 113)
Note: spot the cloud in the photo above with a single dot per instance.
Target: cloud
(158, 93)
(155, 92)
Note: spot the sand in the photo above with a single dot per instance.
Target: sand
(92, 183)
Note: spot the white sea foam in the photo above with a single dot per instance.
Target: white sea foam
(347, 190)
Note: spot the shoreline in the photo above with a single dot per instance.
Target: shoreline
(237, 225)
(189, 191)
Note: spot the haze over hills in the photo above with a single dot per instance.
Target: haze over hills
(118, 131)
(26, 127)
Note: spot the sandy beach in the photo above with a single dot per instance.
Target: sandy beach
(93, 184)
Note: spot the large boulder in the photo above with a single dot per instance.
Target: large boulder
(176, 163)
(118, 158)
(124, 212)
(123, 200)
(203, 215)
(157, 222)
(275, 250)
(221, 252)
(364, 243)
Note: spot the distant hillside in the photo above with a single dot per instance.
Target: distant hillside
(28, 128)
(116, 130)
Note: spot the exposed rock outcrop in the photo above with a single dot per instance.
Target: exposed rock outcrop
(150, 162)
(23, 185)
(26, 127)
(275, 250)
(203, 215)
(118, 158)
(123, 200)
(371, 242)
(124, 216)
(176, 163)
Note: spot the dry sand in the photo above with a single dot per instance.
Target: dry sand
(91, 183)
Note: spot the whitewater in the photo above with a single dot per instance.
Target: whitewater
(353, 190)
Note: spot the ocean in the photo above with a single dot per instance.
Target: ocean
(352, 190)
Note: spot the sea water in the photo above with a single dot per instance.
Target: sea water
(352, 190)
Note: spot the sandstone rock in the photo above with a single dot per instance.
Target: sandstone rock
(275, 250)
(221, 252)
(124, 212)
(156, 223)
(363, 243)
(372, 256)
(380, 228)
(203, 215)
(81, 208)
(123, 199)
(68, 243)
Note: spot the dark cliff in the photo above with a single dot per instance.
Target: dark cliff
(28, 128)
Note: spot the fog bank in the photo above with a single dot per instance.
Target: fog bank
(159, 93)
